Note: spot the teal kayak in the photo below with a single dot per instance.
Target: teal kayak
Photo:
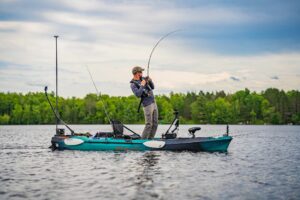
(85, 143)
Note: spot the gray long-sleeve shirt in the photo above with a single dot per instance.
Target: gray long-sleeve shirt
(138, 91)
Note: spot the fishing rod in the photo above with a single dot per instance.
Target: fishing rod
(56, 114)
(163, 37)
(99, 94)
(114, 123)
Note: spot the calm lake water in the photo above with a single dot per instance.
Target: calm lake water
(263, 162)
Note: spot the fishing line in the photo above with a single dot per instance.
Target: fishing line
(99, 94)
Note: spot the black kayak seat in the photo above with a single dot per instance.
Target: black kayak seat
(118, 130)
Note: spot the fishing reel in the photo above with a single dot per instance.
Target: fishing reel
(145, 78)
(147, 86)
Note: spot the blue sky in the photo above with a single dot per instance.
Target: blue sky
(223, 45)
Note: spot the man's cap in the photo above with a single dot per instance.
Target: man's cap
(137, 69)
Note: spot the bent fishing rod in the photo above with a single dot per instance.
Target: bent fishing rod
(149, 60)
(163, 37)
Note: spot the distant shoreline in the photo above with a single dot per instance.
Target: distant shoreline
(272, 106)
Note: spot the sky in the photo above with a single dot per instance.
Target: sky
(221, 45)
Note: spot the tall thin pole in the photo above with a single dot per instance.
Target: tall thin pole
(56, 76)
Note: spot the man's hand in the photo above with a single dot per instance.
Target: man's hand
(143, 83)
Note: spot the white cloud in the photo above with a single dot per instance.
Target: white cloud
(181, 79)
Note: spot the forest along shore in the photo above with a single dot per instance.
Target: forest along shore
(272, 106)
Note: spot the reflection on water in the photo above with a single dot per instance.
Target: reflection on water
(144, 180)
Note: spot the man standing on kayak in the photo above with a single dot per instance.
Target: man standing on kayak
(143, 88)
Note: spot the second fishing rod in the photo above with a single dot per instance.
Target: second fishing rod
(99, 95)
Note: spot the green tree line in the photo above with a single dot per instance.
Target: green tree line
(272, 106)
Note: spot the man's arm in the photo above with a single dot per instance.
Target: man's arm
(151, 84)
(137, 91)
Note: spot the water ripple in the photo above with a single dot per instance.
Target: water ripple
(263, 162)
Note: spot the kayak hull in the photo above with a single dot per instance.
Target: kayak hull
(83, 143)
